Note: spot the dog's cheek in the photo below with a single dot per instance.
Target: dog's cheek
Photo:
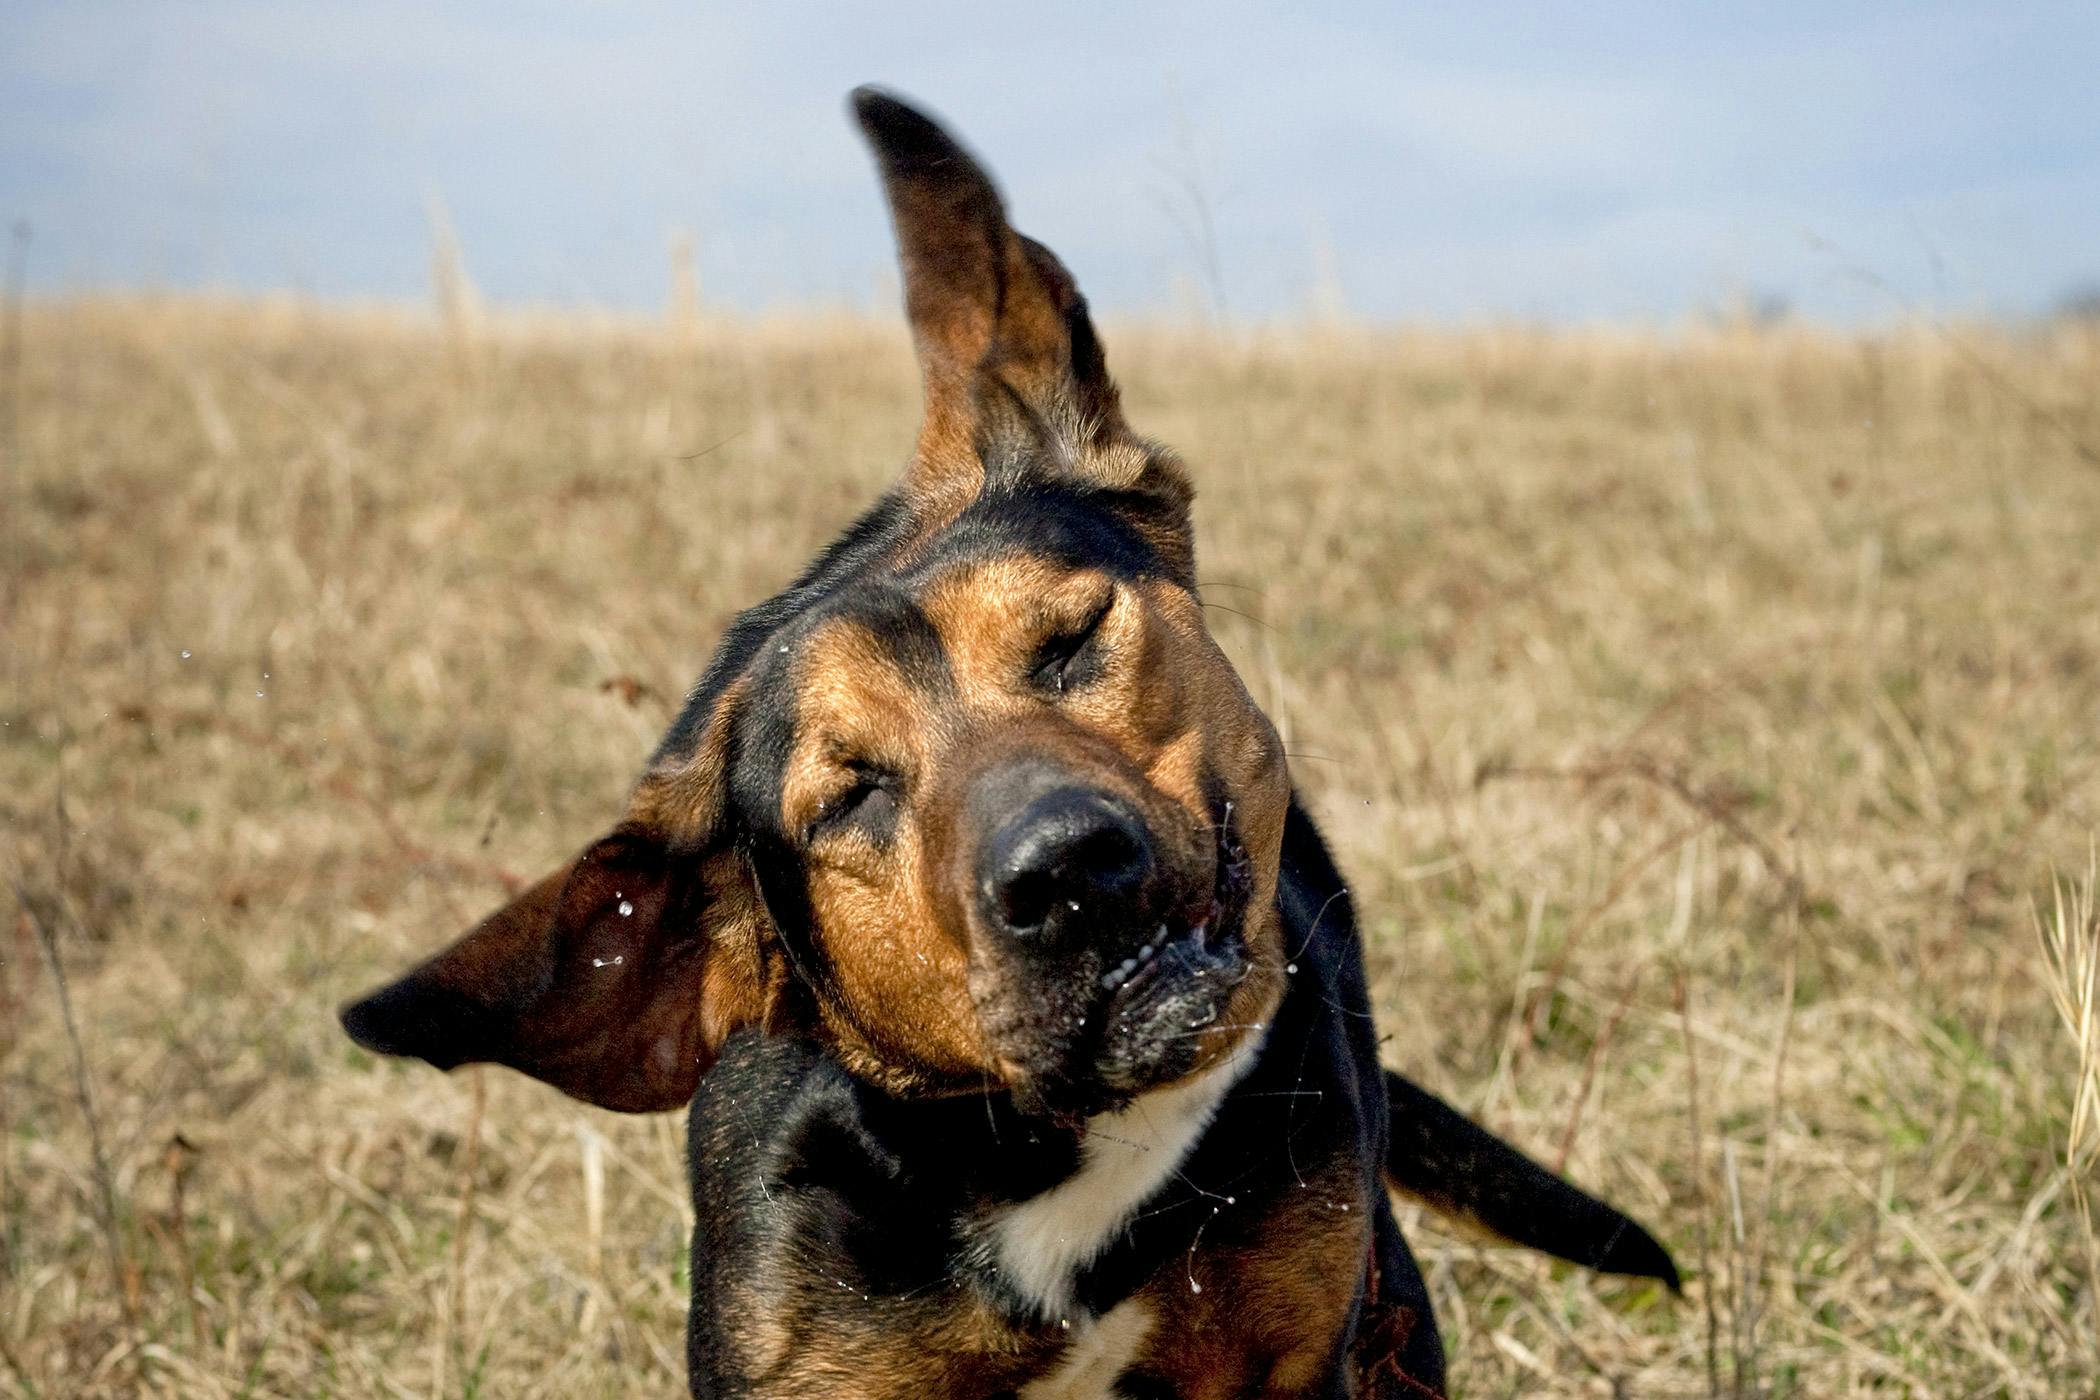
(1038, 1030)
(904, 982)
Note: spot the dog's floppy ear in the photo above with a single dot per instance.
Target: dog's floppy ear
(615, 978)
(1000, 327)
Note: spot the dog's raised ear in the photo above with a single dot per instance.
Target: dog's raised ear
(1003, 337)
(615, 978)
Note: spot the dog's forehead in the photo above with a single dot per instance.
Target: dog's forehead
(878, 625)
(887, 561)
(1073, 529)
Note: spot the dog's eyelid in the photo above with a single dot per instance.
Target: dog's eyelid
(1057, 651)
(869, 779)
(1099, 611)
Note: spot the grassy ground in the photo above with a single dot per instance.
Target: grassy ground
(1697, 716)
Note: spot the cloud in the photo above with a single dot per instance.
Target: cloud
(1632, 160)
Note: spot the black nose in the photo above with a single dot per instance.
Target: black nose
(1071, 856)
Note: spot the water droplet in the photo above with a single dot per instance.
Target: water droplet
(258, 695)
(1291, 968)
(626, 908)
(185, 656)
(1195, 1287)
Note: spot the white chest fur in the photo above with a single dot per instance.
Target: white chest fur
(1099, 1354)
(1041, 1244)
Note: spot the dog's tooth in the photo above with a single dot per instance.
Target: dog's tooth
(1145, 953)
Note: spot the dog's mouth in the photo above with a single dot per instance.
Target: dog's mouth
(1131, 1011)
(1162, 1006)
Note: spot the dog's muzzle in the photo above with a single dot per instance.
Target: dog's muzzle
(1103, 963)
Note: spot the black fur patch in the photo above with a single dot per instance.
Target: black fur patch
(866, 542)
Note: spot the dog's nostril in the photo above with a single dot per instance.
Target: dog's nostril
(1066, 855)
(1024, 901)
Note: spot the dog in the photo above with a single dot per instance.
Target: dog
(968, 903)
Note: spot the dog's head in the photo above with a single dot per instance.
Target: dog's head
(977, 800)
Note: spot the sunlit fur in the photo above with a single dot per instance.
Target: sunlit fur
(1164, 724)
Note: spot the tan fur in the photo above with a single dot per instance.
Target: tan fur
(1256, 1312)
(895, 921)
(900, 994)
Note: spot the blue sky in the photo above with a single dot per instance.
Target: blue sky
(1444, 163)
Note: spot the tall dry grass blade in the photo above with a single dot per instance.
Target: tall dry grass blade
(11, 433)
(458, 303)
(104, 1174)
(11, 342)
(1699, 1191)
(1326, 300)
(2070, 938)
(452, 1334)
(684, 310)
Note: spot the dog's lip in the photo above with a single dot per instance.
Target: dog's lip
(1201, 940)
(1193, 937)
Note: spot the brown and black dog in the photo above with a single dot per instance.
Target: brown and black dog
(968, 902)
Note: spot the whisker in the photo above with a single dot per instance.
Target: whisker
(1262, 623)
(1224, 583)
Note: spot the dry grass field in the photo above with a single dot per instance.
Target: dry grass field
(1702, 718)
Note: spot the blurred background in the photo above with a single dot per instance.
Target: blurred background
(1637, 161)
(1648, 463)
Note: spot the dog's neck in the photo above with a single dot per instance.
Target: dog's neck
(1040, 1245)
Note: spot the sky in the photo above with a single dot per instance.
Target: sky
(1597, 162)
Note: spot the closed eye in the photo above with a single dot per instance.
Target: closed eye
(870, 801)
(1069, 660)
